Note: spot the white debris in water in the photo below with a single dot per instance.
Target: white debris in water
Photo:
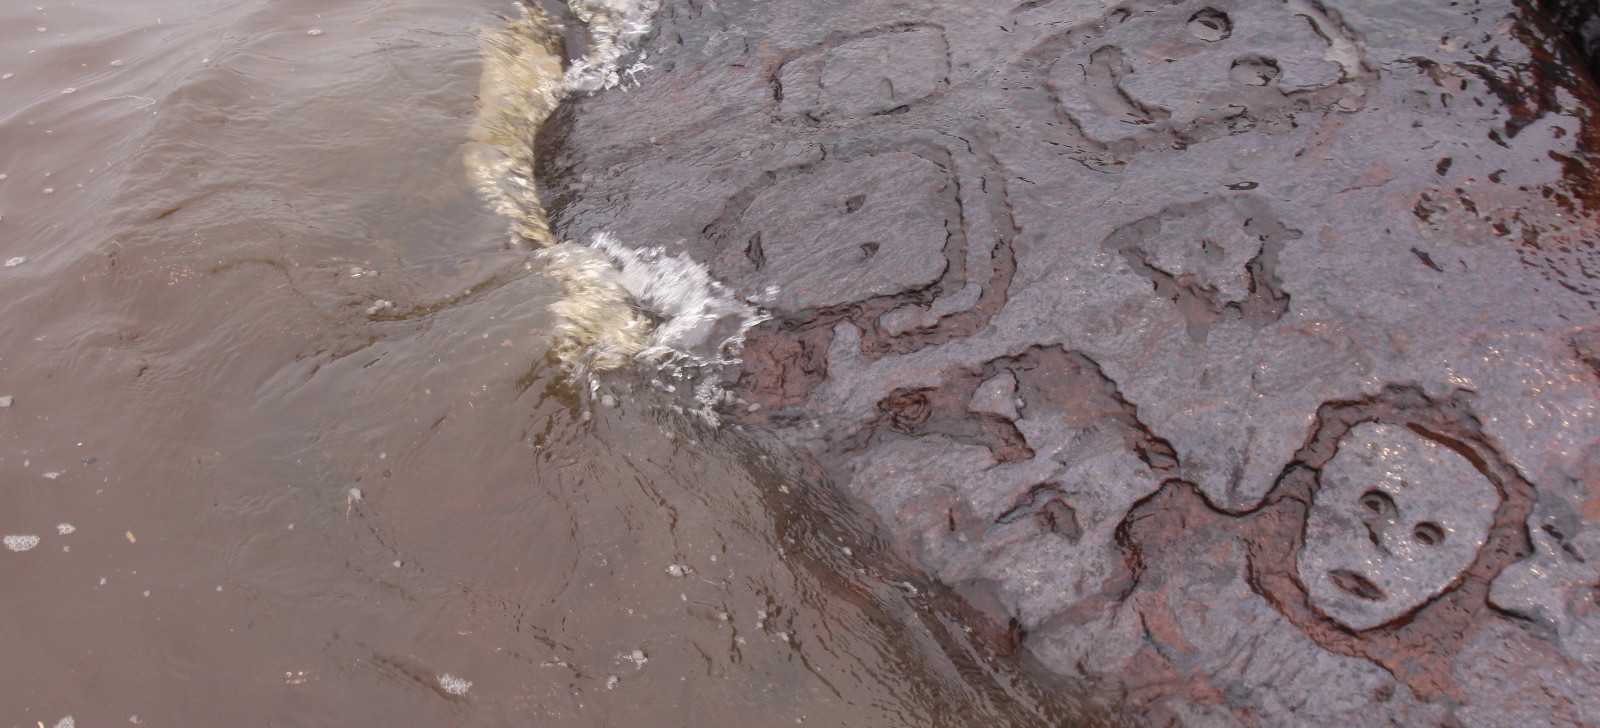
(52, 475)
(118, 63)
(6, 401)
(615, 26)
(454, 685)
(66, 722)
(380, 306)
(65, 528)
(19, 260)
(69, 90)
(355, 494)
(637, 657)
(623, 305)
(314, 32)
(611, 682)
(21, 543)
(677, 570)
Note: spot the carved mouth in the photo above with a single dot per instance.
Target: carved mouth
(1356, 584)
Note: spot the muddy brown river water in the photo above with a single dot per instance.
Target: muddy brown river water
(282, 443)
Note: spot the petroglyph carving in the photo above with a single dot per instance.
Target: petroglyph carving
(1396, 520)
(873, 73)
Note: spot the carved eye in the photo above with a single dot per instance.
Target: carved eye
(1377, 502)
(1428, 534)
(1210, 25)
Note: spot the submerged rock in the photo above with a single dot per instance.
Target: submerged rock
(1240, 354)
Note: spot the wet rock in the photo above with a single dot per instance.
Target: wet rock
(867, 74)
(1396, 520)
(1239, 355)
(825, 236)
(1579, 21)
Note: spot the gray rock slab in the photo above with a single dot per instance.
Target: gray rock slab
(1214, 250)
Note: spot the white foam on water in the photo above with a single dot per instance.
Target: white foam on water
(622, 305)
(615, 27)
(21, 543)
(454, 685)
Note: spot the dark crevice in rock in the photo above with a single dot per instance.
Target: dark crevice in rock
(1578, 21)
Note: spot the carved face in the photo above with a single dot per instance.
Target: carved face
(1397, 518)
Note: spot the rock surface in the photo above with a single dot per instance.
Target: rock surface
(1245, 353)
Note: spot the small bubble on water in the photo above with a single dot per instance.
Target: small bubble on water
(454, 685)
(147, 592)
(65, 528)
(49, 190)
(41, 29)
(314, 32)
(21, 543)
